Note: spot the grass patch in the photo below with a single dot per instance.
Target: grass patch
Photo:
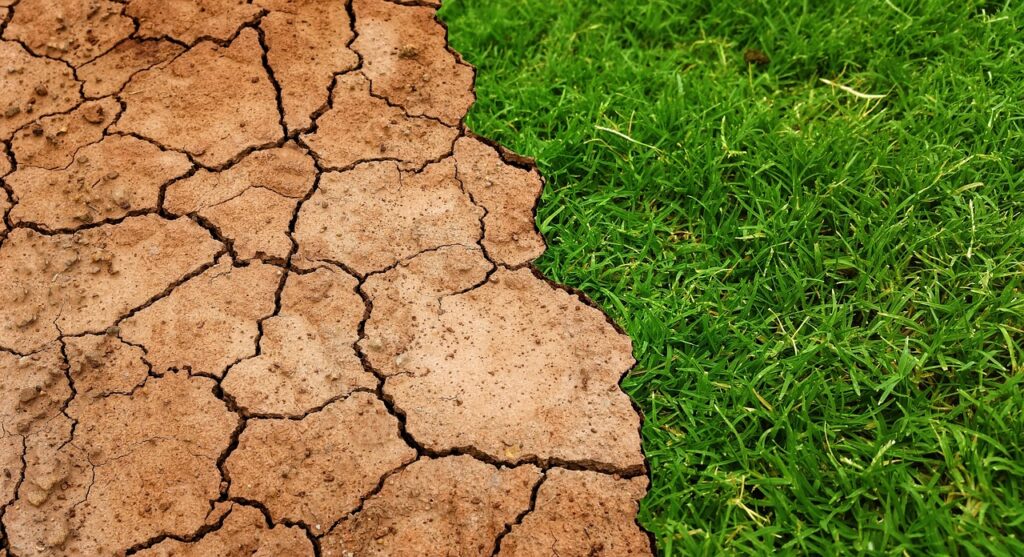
(819, 254)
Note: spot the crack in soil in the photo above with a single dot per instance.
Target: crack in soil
(261, 34)
(519, 519)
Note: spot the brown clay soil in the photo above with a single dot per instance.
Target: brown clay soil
(263, 294)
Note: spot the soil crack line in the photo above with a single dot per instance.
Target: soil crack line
(521, 516)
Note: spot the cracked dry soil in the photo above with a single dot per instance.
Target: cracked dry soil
(263, 294)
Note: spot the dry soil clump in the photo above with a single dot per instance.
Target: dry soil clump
(264, 294)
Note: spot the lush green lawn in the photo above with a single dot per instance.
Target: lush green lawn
(820, 258)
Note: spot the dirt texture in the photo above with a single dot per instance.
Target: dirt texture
(512, 368)
(213, 102)
(406, 57)
(580, 513)
(53, 141)
(32, 87)
(265, 294)
(454, 505)
(375, 130)
(307, 44)
(108, 180)
(252, 203)
(5, 161)
(107, 74)
(423, 210)
(317, 468)
(75, 31)
(307, 353)
(188, 21)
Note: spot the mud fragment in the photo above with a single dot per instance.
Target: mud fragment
(515, 369)
(103, 365)
(213, 102)
(21, 75)
(509, 194)
(84, 282)
(34, 389)
(107, 74)
(308, 355)
(191, 20)
(75, 31)
(317, 469)
(374, 131)
(107, 180)
(251, 203)
(581, 513)
(140, 466)
(57, 475)
(454, 506)
(307, 44)
(208, 322)
(405, 55)
(342, 220)
(244, 533)
(52, 141)
(408, 294)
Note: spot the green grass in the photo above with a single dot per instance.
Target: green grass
(824, 290)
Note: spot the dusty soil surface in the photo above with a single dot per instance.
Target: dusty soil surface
(264, 294)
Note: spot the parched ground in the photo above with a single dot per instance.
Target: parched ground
(264, 294)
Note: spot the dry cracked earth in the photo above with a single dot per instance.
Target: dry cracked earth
(264, 294)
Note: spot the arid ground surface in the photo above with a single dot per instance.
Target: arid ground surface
(263, 293)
